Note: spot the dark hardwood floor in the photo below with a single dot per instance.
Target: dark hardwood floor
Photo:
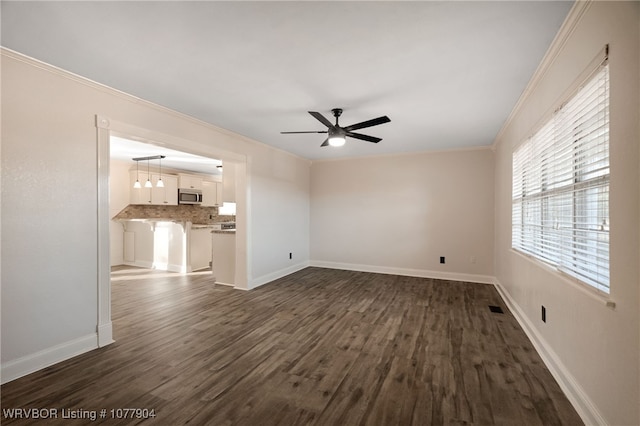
(318, 347)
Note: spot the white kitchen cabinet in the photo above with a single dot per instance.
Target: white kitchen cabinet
(139, 195)
(167, 195)
(200, 248)
(228, 182)
(211, 194)
(189, 181)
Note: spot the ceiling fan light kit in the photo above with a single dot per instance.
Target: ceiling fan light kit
(337, 135)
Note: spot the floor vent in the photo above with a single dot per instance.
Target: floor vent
(496, 309)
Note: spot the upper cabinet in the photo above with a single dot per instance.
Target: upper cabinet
(229, 182)
(165, 196)
(211, 194)
(189, 181)
(139, 195)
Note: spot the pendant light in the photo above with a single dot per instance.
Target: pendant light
(137, 184)
(148, 183)
(160, 183)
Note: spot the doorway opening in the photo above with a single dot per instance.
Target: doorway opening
(163, 216)
(115, 191)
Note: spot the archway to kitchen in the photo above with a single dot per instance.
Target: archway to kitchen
(108, 128)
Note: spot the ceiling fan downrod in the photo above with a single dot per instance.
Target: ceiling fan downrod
(337, 112)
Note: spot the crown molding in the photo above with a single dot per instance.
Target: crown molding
(557, 45)
(36, 63)
(406, 154)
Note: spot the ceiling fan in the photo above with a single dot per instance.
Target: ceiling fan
(337, 134)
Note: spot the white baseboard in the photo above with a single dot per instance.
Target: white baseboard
(257, 282)
(140, 264)
(171, 267)
(160, 266)
(105, 334)
(422, 273)
(569, 385)
(31, 363)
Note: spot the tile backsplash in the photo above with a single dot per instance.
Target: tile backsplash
(184, 212)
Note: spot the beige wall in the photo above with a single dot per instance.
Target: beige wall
(390, 214)
(596, 349)
(50, 204)
(399, 214)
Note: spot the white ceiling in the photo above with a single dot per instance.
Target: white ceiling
(447, 73)
(126, 150)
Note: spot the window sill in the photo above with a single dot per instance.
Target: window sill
(586, 289)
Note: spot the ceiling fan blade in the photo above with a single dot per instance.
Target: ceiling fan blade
(321, 118)
(311, 131)
(326, 142)
(368, 123)
(363, 137)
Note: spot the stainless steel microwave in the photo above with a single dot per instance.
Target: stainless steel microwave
(189, 196)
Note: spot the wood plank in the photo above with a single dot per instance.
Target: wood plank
(318, 347)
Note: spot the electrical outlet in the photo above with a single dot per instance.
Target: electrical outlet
(472, 259)
(544, 314)
(290, 255)
(441, 259)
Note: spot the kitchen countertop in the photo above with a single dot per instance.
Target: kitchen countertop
(183, 223)
(201, 226)
(151, 219)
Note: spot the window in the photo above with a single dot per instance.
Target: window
(560, 211)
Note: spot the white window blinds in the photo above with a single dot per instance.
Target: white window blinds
(560, 211)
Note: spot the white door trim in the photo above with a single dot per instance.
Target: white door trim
(104, 328)
(105, 128)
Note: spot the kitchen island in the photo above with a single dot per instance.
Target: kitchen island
(168, 245)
